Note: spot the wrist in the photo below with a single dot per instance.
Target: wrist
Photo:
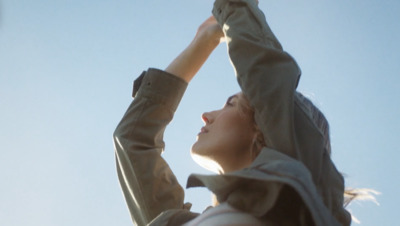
(209, 33)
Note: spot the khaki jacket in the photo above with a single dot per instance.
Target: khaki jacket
(292, 182)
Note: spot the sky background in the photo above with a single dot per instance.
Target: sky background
(66, 72)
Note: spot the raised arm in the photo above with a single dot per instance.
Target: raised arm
(149, 186)
(267, 75)
(189, 62)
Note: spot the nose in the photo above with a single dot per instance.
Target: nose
(206, 117)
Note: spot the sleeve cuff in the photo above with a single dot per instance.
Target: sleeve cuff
(160, 86)
(221, 7)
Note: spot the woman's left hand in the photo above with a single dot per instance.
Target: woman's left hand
(210, 31)
(189, 62)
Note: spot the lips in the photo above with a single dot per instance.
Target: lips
(203, 130)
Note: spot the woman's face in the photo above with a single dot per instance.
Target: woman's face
(225, 143)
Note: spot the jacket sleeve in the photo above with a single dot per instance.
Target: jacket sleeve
(148, 184)
(267, 75)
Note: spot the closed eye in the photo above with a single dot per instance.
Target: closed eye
(230, 101)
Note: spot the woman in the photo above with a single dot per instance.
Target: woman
(269, 145)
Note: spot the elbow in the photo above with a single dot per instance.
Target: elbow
(123, 131)
(117, 133)
(294, 69)
(127, 140)
(117, 140)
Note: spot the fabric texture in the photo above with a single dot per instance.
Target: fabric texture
(148, 184)
(285, 121)
(293, 180)
(224, 214)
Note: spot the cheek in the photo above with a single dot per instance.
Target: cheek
(238, 132)
(239, 124)
(240, 137)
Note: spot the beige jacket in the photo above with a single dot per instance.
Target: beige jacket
(292, 182)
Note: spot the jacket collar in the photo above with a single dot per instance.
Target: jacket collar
(255, 189)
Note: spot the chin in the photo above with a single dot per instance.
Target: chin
(200, 156)
(196, 149)
(207, 163)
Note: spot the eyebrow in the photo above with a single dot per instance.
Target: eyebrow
(231, 97)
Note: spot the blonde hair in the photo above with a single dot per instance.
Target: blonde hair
(246, 109)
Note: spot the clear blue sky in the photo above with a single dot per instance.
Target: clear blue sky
(66, 69)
